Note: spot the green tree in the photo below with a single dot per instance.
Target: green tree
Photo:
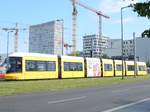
(78, 53)
(148, 64)
(105, 56)
(143, 10)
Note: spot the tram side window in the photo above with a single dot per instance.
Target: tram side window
(40, 65)
(108, 67)
(31, 65)
(119, 67)
(141, 68)
(79, 66)
(130, 67)
(14, 64)
(73, 66)
(66, 66)
(51, 66)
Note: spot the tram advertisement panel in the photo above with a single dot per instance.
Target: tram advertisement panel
(93, 67)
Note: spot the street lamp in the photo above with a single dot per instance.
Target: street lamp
(8, 46)
(135, 66)
(8, 42)
(122, 38)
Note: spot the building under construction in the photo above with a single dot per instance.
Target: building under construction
(93, 46)
(74, 21)
(47, 38)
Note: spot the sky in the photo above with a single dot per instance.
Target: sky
(32, 12)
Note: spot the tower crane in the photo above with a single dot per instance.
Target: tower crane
(16, 29)
(74, 24)
(74, 20)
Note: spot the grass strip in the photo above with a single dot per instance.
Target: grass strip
(8, 88)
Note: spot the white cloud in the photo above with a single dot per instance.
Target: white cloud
(114, 6)
(125, 20)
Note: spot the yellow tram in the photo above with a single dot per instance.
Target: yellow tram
(118, 68)
(129, 68)
(24, 66)
(71, 67)
(141, 68)
(32, 66)
(107, 68)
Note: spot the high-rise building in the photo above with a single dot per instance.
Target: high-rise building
(114, 48)
(46, 38)
(142, 48)
(93, 46)
(128, 49)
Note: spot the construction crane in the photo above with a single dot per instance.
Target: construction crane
(16, 29)
(74, 20)
(74, 24)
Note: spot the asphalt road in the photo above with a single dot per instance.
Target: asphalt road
(117, 98)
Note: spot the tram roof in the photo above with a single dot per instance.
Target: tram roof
(20, 54)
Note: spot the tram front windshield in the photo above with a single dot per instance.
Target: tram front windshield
(14, 65)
